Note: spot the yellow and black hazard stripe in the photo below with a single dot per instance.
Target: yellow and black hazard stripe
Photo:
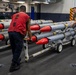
(71, 14)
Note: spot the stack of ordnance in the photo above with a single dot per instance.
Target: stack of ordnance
(45, 33)
(4, 24)
(55, 34)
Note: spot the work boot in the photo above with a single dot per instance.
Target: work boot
(19, 61)
(14, 67)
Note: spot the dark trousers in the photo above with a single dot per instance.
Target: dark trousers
(16, 41)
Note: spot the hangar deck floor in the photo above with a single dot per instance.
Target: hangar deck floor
(49, 63)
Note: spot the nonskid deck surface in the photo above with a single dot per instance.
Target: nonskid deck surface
(48, 63)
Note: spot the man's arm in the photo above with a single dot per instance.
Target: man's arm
(28, 28)
(74, 24)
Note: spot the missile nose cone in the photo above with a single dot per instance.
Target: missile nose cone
(1, 26)
(35, 27)
(34, 38)
(42, 41)
(1, 37)
(46, 29)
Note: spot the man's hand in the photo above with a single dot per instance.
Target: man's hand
(74, 24)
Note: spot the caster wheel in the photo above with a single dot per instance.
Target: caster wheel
(59, 47)
(45, 46)
(73, 42)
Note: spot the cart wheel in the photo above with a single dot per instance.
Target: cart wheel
(45, 46)
(59, 47)
(73, 42)
(7, 42)
(26, 59)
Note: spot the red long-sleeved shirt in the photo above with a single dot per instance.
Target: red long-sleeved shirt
(18, 23)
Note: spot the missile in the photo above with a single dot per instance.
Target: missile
(40, 21)
(39, 26)
(55, 27)
(37, 37)
(4, 36)
(1, 37)
(35, 32)
(33, 27)
(35, 22)
(65, 22)
(42, 35)
(5, 20)
(55, 37)
(46, 21)
(4, 25)
(4, 32)
(1, 26)
(48, 39)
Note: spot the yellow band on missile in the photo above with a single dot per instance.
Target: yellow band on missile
(66, 25)
(54, 33)
(55, 23)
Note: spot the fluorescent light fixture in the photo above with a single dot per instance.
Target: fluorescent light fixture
(5, 0)
(35, 2)
(20, 1)
(39, 2)
(45, 2)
